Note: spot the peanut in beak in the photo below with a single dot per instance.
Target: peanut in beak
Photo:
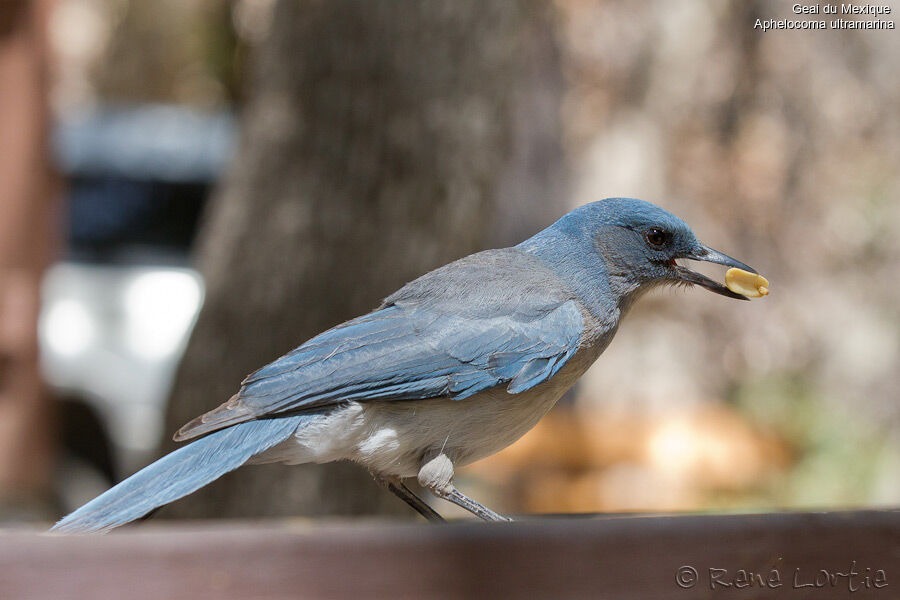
(746, 283)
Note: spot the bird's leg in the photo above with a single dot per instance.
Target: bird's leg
(437, 476)
(420, 505)
(399, 489)
(476, 508)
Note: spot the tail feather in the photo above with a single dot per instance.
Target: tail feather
(178, 474)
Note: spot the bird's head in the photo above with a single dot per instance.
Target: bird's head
(639, 244)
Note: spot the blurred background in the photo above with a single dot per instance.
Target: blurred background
(190, 189)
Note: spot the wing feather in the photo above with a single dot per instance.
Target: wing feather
(412, 349)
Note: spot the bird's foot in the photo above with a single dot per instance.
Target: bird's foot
(399, 489)
(436, 475)
(476, 508)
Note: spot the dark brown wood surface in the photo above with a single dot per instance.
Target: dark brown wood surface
(605, 557)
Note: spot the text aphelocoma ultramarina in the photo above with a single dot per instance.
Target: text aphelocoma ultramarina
(455, 366)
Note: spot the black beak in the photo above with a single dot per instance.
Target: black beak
(714, 256)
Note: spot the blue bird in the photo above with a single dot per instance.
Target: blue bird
(453, 367)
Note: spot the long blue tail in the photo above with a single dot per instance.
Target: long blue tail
(178, 474)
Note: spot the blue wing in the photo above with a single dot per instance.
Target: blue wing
(431, 344)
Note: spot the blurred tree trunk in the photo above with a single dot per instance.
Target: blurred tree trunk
(26, 243)
(380, 140)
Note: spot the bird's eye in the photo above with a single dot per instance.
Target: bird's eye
(656, 237)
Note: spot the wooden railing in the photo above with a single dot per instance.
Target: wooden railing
(790, 555)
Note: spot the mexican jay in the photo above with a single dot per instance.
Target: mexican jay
(453, 367)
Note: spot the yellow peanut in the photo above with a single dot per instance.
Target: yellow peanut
(746, 283)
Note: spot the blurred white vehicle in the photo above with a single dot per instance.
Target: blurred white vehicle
(112, 336)
(118, 310)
